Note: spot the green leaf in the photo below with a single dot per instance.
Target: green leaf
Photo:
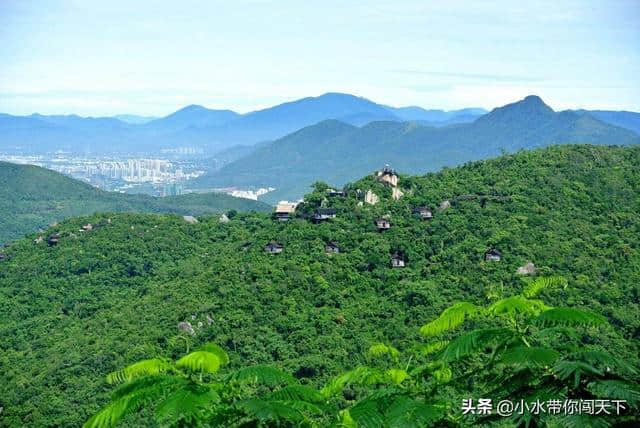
(297, 393)
(367, 415)
(380, 349)
(200, 361)
(186, 405)
(397, 376)
(569, 316)
(524, 356)
(275, 411)
(514, 305)
(433, 347)
(215, 349)
(151, 367)
(130, 398)
(616, 390)
(471, 342)
(265, 375)
(359, 376)
(534, 287)
(406, 412)
(443, 374)
(450, 318)
(567, 369)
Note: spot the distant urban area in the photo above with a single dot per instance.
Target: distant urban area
(156, 177)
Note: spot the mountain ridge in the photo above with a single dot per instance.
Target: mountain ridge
(32, 197)
(338, 159)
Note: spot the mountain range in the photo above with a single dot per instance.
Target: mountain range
(339, 152)
(207, 129)
(32, 197)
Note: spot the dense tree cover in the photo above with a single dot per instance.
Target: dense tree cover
(32, 197)
(100, 300)
(525, 351)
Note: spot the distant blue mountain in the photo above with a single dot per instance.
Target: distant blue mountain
(134, 119)
(337, 152)
(435, 117)
(624, 119)
(193, 116)
(217, 130)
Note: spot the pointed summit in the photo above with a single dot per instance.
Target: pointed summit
(530, 108)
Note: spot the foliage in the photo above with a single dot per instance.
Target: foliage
(32, 197)
(100, 300)
(192, 393)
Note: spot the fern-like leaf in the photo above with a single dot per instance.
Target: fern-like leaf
(450, 318)
(406, 412)
(297, 393)
(397, 376)
(380, 349)
(217, 350)
(576, 369)
(515, 305)
(264, 375)
(200, 361)
(359, 376)
(534, 287)
(604, 360)
(583, 421)
(524, 356)
(270, 411)
(186, 405)
(130, 398)
(471, 342)
(616, 390)
(367, 415)
(569, 316)
(433, 347)
(151, 367)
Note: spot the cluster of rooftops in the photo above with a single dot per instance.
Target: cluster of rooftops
(285, 210)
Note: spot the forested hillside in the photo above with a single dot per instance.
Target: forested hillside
(337, 152)
(32, 197)
(101, 300)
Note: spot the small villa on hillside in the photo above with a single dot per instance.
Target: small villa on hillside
(2, 256)
(493, 255)
(273, 248)
(323, 214)
(87, 228)
(285, 210)
(388, 175)
(425, 213)
(338, 193)
(332, 247)
(53, 239)
(398, 260)
(383, 224)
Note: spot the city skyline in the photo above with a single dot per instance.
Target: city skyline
(152, 58)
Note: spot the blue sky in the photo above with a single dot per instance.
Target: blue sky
(153, 57)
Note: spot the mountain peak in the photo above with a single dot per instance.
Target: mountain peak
(529, 108)
(533, 100)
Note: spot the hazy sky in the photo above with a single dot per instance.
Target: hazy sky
(153, 57)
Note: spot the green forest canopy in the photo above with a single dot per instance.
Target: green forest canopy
(32, 197)
(104, 299)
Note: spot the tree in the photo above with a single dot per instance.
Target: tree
(526, 350)
(193, 392)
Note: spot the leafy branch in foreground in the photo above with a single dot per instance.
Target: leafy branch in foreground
(530, 351)
(193, 392)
